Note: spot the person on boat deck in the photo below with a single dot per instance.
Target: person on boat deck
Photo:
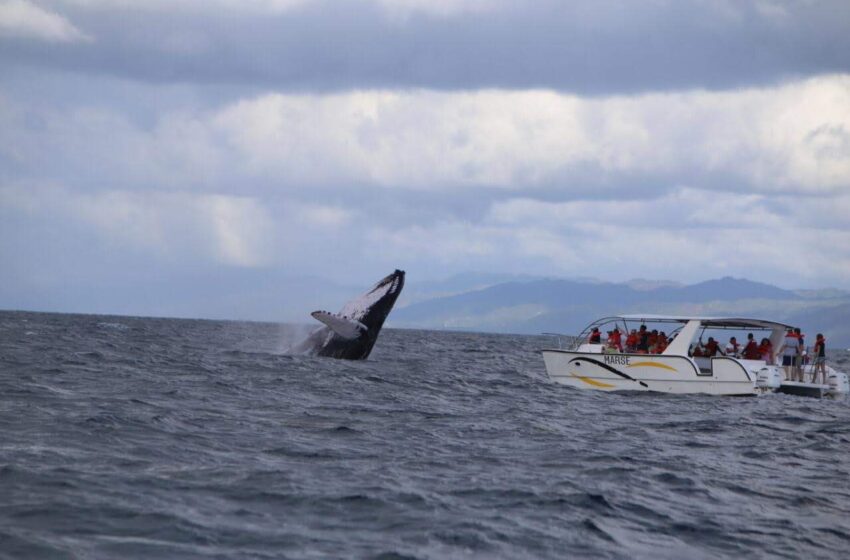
(661, 343)
(595, 336)
(820, 359)
(790, 347)
(643, 340)
(652, 341)
(615, 339)
(610, 344)
(765, 350)
(698, 351)
(632, 341)
(751, 350)
(712, 348)
(733, 347)
(801, 353)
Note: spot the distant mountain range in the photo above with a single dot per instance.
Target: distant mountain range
(471, 301)
(535, 305)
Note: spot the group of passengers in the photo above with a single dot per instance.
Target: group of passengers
(638, 341)
(750, 351)
(795, 353)
(793, 349)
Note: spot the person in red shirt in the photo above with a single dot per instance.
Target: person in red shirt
(712, 348)
(752, 350)
(643, 340)
(651, 341)
(595, 336)
(615, 339)
(766, 351)
(632, 341)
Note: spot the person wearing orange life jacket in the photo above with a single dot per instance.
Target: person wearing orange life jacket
(712, 348)
(766, 351)
(610, 344)
(615, 339)
(632, 341)
(651, 341)
(751, 350)
(595, 336)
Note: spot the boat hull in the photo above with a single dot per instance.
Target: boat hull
(803, 389)
(644, 372)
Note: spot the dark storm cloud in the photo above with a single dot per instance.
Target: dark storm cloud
(590, 47)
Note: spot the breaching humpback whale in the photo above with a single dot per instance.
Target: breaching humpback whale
(351, 333)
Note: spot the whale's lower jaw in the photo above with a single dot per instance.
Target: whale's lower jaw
(346, 349)
(369, 311)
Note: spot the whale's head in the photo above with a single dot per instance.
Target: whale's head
(372, 308)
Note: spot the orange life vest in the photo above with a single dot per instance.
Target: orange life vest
(752, 351)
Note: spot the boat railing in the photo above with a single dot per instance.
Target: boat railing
(572, 342)
(565, 341)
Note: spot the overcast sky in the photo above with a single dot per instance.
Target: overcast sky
(664, 139)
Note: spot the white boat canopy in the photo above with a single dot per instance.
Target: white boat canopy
(707, 322)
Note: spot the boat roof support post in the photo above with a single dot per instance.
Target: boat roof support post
(777, 339)
(682, 343)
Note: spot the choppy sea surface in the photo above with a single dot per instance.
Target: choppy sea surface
(160, 438)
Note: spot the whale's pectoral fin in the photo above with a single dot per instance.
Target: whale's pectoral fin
(342, 326)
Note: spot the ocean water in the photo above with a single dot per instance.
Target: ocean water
(156, 438)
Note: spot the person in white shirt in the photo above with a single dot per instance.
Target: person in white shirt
(733, 348)
(789, 350)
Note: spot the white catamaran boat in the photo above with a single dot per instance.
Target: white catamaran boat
(588, 363)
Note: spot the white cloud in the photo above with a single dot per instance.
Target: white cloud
(419, 139)
(795, 136)
(394, 8)
(94, 145)
(682, 208)
(446, 243)
(19, 18)
(443, 8)
(177, 5)
(687, 234)
(687, 185)
(240, 227)
(321, 216)
(229, 230)
(773, 10)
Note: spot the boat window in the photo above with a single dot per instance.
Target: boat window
(704, 365)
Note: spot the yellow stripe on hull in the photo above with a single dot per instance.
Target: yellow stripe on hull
(652, 364)
(593, 382)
